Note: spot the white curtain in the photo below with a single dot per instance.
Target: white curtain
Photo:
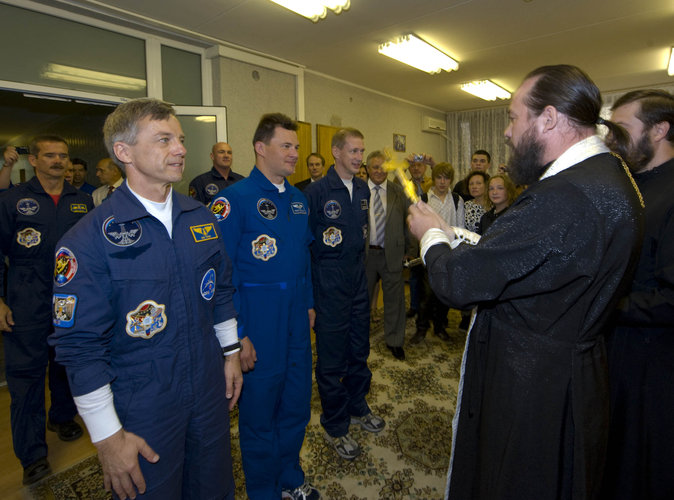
(469, 131)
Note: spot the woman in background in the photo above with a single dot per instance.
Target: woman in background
(501, 193)
(477, 207)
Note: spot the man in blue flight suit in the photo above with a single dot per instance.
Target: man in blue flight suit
(264, 223)
(143, 311)
(205, 186)
(338, 217)
(33, 216)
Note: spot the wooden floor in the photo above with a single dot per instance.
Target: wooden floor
(61, 455)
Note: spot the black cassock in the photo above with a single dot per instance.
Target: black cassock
(533, 404)
(640, 461)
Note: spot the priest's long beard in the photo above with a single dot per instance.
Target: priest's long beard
(526, 162)
(640, 154)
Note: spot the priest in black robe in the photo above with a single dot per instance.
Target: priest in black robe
(532, 409)
(640, 463)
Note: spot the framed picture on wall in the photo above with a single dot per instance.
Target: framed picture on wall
(399, 143)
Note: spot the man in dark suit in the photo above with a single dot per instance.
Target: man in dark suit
(315, 164)
(388, 244)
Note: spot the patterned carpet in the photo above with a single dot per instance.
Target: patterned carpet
(408, 460)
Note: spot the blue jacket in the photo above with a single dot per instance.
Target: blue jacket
(205, 186)
(338, 222)
(132, 304)
(30, 226)
(266, 233)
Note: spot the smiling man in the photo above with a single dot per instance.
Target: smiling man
(144, 315)
(338, 218)
(33, 216)
(205, 186)
(265, 230)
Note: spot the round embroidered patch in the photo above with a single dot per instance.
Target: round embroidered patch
(208, 284)
(221, 207)
(65, 266)
(267, 209)
(332, 236)
(29, 237)
(264, 247)
(27, 206)
(123, 234)
(211, 189)
(332, 209)
(146, 320)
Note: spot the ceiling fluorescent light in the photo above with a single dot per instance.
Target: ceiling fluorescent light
(411, 50)
(485, 89)
(314, 9)
(670, 69)
(337, 6)
(89, 77)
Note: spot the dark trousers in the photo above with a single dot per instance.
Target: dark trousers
(431, 309)
(342, 344)
(27, 357)
(416, 283)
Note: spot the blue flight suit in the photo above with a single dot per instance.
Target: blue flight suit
(30, 226)
(205, 186)
(267, 236)
(339, 225)
(87, 188)
(138, 312)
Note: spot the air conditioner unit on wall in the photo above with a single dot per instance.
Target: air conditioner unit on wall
(434, 125)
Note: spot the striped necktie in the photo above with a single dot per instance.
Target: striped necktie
(420, 190)
(379, 218)
(110, 190)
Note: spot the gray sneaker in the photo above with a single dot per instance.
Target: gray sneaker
(369, 423)
(303, 492)
(345, 446)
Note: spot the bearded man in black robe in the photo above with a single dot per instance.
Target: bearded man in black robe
(532, 408)
(641, 345)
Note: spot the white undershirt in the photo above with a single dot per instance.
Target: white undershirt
(161, 210)
(349, 185)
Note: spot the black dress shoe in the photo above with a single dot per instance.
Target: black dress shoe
(36, 471)
(67, 431)
(397, 352)
(441, 334)
(465, 322)
(418, 337)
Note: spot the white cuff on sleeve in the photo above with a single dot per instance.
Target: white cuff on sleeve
(432, 237)
(98, 412)
(464, 236)
(227, 334)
